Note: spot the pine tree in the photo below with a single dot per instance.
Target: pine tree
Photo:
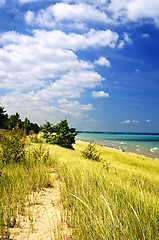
(59, 134)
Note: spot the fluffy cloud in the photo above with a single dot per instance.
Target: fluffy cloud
(69, 108)
(51, 16)
(134, 10)
(73, 108)
(100, 94)
(102, 61)
(43, 67)
(142, 9)
(33, 104)
(59, 39)
(70, 85)
(75, 41)
(21, 102)
(46, 54)
(44, 64)
(78, 12)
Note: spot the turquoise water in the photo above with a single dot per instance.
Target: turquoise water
(147, 144)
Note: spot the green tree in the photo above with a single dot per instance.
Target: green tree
(47, 130)
(15, 120)
(59, 134)
(35, 127)
(3, 118)
(29, 126)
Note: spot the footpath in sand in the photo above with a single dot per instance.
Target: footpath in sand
(45, 218)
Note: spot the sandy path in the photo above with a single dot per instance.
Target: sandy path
(46, 216)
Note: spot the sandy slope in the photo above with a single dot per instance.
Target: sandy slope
(46, 216)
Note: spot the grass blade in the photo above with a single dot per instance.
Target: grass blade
(138, 220)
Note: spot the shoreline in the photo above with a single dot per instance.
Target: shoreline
(120, 150)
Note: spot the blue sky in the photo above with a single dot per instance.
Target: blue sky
(94, 62)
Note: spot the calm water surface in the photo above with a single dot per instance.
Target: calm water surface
(147, 144)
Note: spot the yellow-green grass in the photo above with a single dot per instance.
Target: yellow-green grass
(17, 183)
(118, 202)
(102, 201)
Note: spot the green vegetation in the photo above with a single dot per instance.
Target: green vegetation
(24, 169)
(10, 122)
(3, 118)
(122, 203)
(59, 134)
(91, 152)
(12, 145)
(107, 194)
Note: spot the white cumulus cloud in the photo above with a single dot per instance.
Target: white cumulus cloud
(37, 70)
(111, 12)
(66, 107)
(103, 62)
(47, 54)
(100, 94)
(134, 10)
(70, 85)
(61, 12)
(78, 12)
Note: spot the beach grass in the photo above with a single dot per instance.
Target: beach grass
(19, 180)
(113, 199)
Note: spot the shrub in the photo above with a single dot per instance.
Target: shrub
(39, 155)
(12, 145)
(90, 152)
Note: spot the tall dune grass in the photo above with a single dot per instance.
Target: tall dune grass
(116, 198)
(19, 179)
(119, 202)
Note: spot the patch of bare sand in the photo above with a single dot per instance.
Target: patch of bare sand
(45, 216)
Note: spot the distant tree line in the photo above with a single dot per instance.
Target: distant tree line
(10, 122)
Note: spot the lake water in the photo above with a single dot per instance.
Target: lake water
(146, 144)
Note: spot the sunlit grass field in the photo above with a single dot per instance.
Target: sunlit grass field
(117, 198)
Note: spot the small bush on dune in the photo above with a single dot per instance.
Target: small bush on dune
(38, 156)
(90, 152)
(12, 146)
(35, 138)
